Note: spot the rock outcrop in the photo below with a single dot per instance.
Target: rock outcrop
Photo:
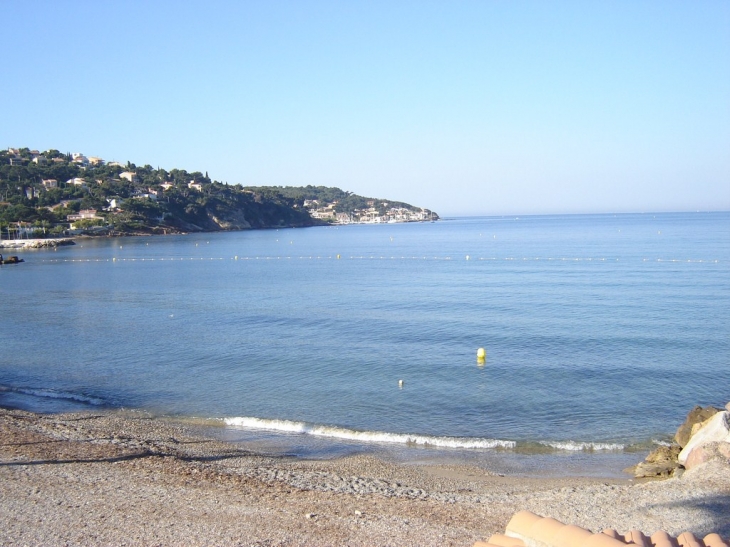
(696, 416)
(661, 463)
(704, 436)
(714, 431)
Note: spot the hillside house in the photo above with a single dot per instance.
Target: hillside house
(129, 176)
(83, 214)
(80, 159)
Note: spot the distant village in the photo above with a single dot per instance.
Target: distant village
(371, 215)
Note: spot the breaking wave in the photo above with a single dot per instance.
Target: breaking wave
(332, 432)
(572, 446)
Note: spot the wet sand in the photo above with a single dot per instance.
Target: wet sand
(126, 478)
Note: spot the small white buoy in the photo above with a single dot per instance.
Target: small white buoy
(400, 384)
(467, 257)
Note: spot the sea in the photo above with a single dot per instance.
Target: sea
(601, 332)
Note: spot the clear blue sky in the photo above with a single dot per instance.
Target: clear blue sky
(466, 107)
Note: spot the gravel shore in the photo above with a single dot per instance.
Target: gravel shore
(126, 478)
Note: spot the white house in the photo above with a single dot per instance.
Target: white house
(128, 175)
(83, 214)
(80, 159)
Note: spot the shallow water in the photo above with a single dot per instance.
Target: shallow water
(601, 331)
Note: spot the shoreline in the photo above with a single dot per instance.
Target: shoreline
(307, 441)
(125, 477)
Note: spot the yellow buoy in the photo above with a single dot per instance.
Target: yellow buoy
(481, 356)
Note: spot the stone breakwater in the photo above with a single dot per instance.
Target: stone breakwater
(35, 243)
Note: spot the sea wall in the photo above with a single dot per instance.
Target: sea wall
(34, 243)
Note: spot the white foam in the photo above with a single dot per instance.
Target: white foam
(661, 443)
(366, 436)
(582, 446)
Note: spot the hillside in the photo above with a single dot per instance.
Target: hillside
(51, 194)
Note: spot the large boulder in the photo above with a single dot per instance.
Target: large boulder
(708, 452)
(714, 430)
(696, 415)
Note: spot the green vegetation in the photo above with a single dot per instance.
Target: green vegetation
(50, 194)
(345, 202)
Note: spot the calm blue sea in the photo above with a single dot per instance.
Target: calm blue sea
(601, 333)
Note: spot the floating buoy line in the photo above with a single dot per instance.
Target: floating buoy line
(376, 257)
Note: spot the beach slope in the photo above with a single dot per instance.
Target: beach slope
(126, 478)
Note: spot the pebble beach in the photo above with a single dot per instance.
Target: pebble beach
(128, 478)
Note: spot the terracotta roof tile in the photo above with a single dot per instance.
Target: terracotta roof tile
(686, 539)
(520, 524)
(603, 540)
(635, 536)
(544, 529)
(613, 533)
(527, 529)
(571, 536)
(714, 540)
(505, 541)
(662, 539)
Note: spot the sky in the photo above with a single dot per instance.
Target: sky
(466, 107)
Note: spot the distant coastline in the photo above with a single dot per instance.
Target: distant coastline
(54, 195)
